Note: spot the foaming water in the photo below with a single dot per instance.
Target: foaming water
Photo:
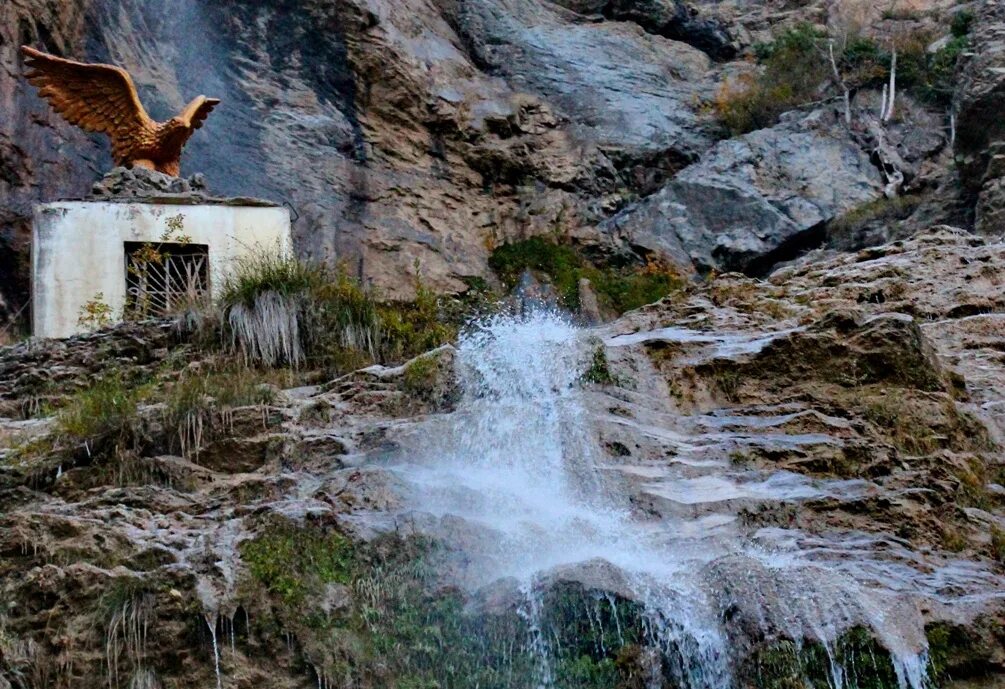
(516, 478)
(516, 457)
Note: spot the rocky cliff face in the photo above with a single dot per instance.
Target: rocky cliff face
(411, 138)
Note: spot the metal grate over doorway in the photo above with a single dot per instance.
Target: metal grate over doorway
(163, 278)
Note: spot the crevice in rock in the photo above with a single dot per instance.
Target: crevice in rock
(14, 290)
(791, 249)
(645, 174)
(677, 21)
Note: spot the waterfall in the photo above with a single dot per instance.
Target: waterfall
(516, 478)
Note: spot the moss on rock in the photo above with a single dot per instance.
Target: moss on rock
(862, 661)
(620, 286)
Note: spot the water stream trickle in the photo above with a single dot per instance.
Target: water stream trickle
(211, 621)
(520, 466)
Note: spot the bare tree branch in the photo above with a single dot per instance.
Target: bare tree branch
(846, 94)
(889, 104)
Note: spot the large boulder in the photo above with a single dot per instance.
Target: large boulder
(755, 199)
(679, 21)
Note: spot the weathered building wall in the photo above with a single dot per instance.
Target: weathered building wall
(79, 250)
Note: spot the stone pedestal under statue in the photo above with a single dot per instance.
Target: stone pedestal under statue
(91, 259)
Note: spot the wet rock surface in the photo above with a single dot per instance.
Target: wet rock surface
(875, 366)
(847, 409)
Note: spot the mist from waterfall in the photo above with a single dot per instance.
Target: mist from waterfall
(516, 478)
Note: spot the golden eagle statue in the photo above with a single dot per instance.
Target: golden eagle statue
(103, 99)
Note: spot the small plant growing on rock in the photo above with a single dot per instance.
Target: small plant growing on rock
(411, 328)
(420, 376)
(22, 661)
(998, 544)
(197, 404)
(728, 381)
(599, 371)
(293, 562)
(127, 608)
(95, 314)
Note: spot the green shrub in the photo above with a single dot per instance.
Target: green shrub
(796, 71)
(600, 370)
(937, 83)
(619, 287)
(559, 262)
(962, 24)
(411, 328)
(794, 67)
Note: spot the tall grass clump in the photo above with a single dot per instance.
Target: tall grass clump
(198, 403)
(279, 310)
(104, 414)
(128, 609)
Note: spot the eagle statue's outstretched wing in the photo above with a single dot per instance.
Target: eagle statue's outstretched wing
(198, 110)
(95, 97)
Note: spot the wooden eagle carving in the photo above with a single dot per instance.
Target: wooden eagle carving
(103, 99)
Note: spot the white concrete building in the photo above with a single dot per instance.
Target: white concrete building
(87, 254)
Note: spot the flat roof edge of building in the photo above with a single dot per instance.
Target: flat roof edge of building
(174, 200)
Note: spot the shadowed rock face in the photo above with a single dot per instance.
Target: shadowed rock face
(980, 142)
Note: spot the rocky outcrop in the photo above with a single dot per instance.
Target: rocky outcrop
(872, 378)
(138, 185)
(980, 140)
(756, 199)
(639, 109)
(853, 404)
(36, 374)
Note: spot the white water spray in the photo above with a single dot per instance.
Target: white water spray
(516, 478)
